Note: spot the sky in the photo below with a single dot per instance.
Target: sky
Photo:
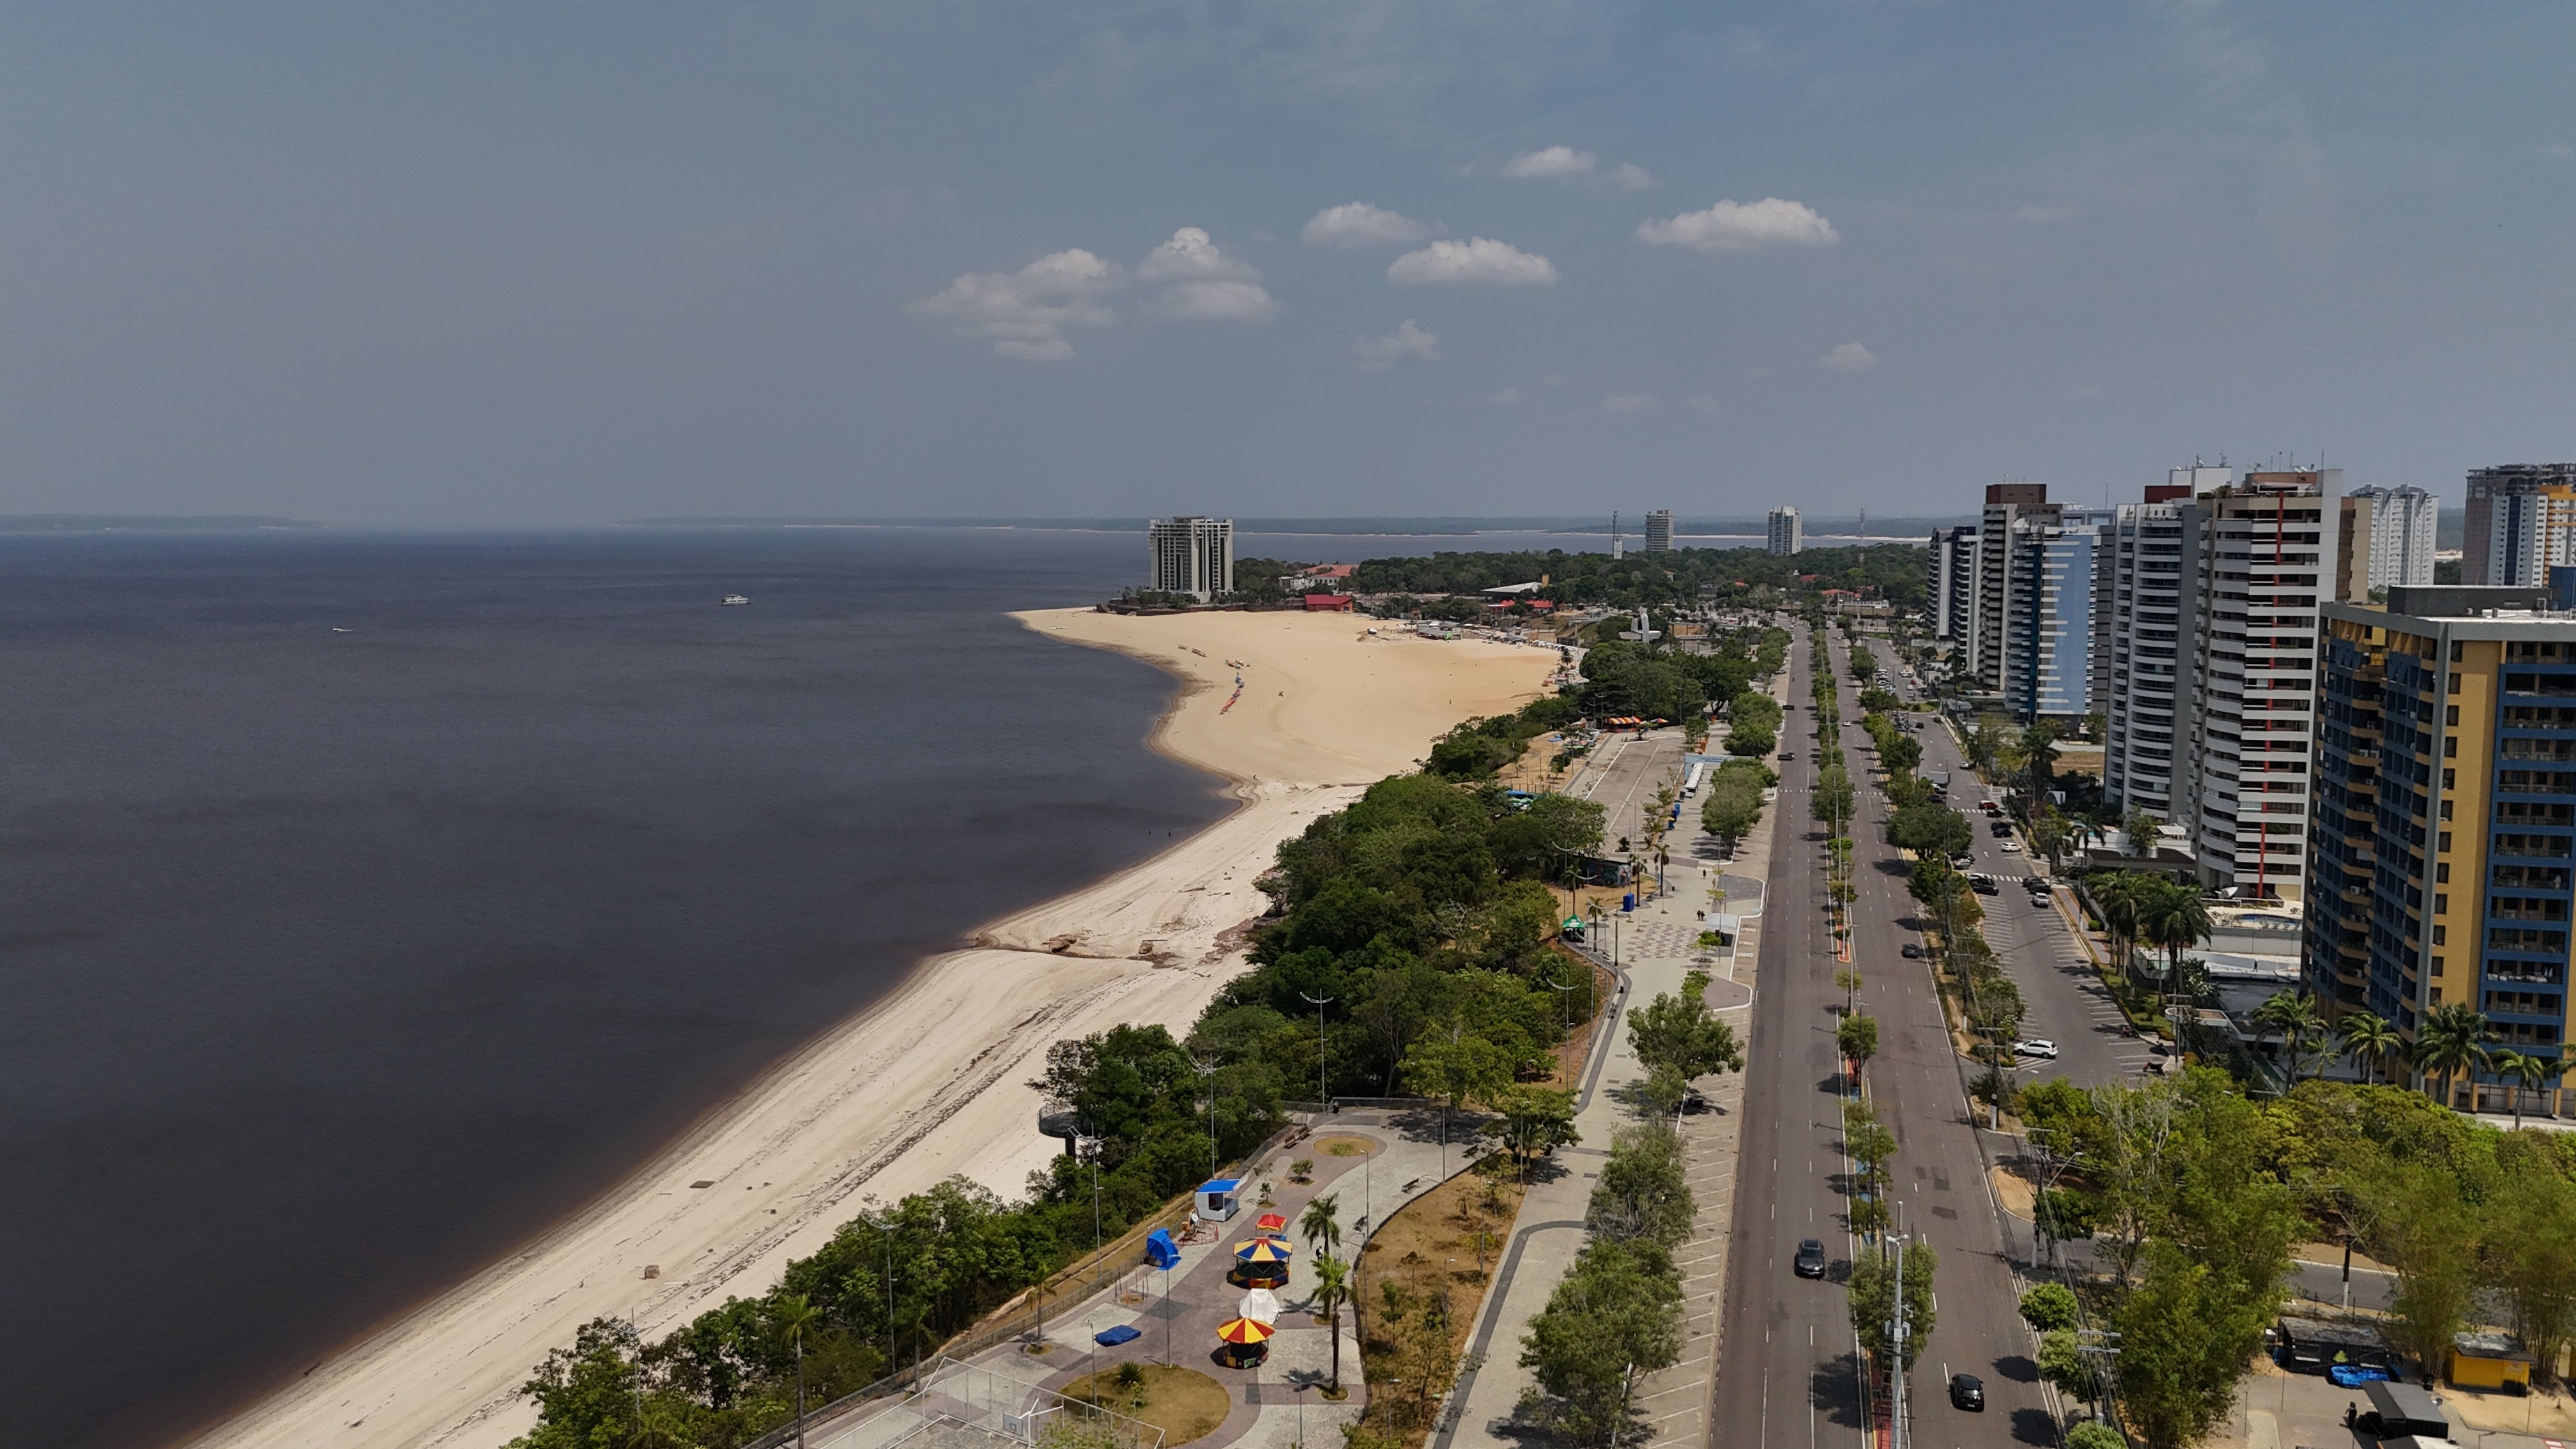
(548, 265)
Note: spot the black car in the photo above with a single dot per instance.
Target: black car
(1810, 1262)
(1967, 1391)
(2003, 830)
(1911, 952)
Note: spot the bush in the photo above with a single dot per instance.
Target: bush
(2048, 1305)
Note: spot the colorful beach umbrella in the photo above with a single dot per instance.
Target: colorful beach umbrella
(1270, 1222)
(1244, 1331)
(1262, 1251)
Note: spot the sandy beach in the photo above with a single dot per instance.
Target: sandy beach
(931, 1081)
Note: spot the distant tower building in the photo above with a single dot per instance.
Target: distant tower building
(2521, 519)
(1950, 576)
(2050, 593)
(1787, 535)
(2139, 624)
(1659, 531)
(2007, 504)
(1192, 555)
(2401, 535)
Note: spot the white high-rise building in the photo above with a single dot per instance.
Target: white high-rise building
(2401, 535)
(1192, 555)
(1659, 531)
(2141, 630)
(1949, 584)
(1787, 534)
(2259, 558)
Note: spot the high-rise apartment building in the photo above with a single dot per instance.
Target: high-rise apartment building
(2520, 520)
(1949, 583)
(2048, 626)
(2141, 632)
(1659, 531)
(2402, 521)
(2445, 837)
(1192, 555)
(1787, 535)
(2259, 559)
(1988, 612)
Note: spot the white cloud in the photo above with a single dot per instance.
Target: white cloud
(1191, 256)
(2036, 212)
(1850, 357)
(1478, 259)
(1550, 163)
(1733, 226)
(1377, 354)
(1025, 312)
(1633, 176)
(1627, 402)
(1357, 224)
(1205, 285)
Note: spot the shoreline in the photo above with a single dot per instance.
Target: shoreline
(929, 1081)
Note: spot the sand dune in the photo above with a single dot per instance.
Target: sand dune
(931, 1081)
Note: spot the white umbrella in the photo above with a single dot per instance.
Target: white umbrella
(1260, 1305)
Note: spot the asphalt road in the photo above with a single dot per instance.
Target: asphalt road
(1788, 1368)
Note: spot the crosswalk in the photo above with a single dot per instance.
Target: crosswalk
(2026, 941)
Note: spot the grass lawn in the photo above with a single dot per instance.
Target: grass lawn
(1184, 1403)
(1345, 1146)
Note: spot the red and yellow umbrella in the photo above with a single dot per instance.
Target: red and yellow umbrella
(1263, 1252)
(1270, 1223)
(1244, 1331)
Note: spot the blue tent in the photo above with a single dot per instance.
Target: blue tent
(1160, 1251)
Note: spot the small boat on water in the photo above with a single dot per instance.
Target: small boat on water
(731, 599)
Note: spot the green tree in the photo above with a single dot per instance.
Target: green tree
(585, 1394)
(2423, 1227)
(2188, 1336)
(1617, 1313)
(1458, 1068)
(795, 1317)
(2450, 1040)
(2094, 1434)
(1321, 1224)
(2530, 1246)
(1872, 1296)
(1681, 1033)
(2369, 1040)
(2295, 1016)
(2047, 1306)
(2062, 1364)
(2521, 1069)
(1535, 1121)
(1857, 1039)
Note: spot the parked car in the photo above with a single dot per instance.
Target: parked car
(2038, 1046)
(1910, 951)
(2002, 829)
(1967, 1391)
(1810, 1262)
(1962, 861)
(2009, 847)
(1787, 755)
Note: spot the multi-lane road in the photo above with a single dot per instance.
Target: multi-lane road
(1788, 1372)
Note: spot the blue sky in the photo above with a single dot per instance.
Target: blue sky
(512, 264)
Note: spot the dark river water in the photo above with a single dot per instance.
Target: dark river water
(333, 964)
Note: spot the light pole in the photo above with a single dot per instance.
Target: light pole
(1564, 1010)
(1323, 1101)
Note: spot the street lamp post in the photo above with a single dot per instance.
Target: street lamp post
(1323, 1101)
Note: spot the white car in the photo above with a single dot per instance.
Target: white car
(2036, 1047)
(2009, 847)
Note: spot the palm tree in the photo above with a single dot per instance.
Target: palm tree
(2116, 897)
(2296, 1018)
(2452, 1039)
(2174, 917)
(793, 1317)
(656, 1427)
(2520, 1069)
(2369, 1039)
(1322, 1229)
(1332, 1290)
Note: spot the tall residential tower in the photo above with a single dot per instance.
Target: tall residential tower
(1787, 535)
(1192, 555)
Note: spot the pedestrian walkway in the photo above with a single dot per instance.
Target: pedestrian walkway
(1280, 1402)
(1659, 944)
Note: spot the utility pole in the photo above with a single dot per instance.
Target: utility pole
(1896, 1374)
(1323, 1101)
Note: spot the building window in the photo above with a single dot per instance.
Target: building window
(2441, 904)
(2446, 841)
(2455, 684)
(2450, 778)
(2437, 965)
(2442, 873)
(2446, 809)
(2450, 747)
(2441, 935)
(2451, 714)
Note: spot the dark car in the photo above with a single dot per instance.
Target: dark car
(1967, 1391)
(1911, 952)
(2003, 830)
(1810, 1262)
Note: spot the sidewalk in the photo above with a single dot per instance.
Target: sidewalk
(1658, 947)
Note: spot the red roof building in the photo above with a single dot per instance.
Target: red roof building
(1330, 603)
